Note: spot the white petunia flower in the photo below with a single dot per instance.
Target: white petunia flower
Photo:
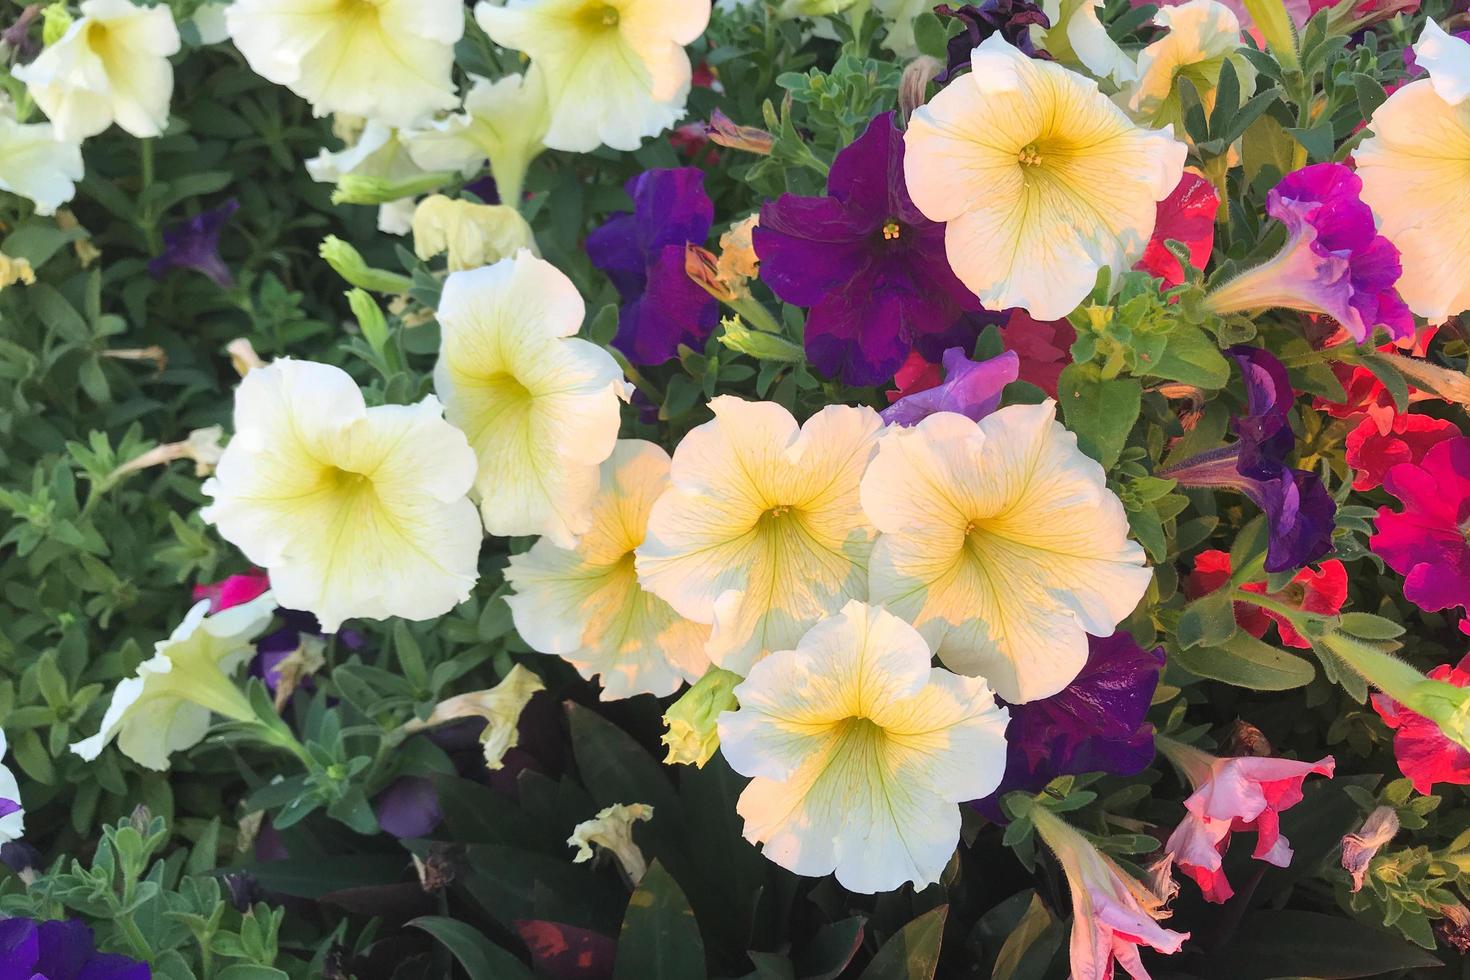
(1203, 34)
(615, 70)
(500, 706)
(540, 406)
(377, 152)
(388, 60)
(586, 606)
(860, 752)
(110, 66)
(166, 706)
(12, 814)
(36, 165)
(1002, 544)
(1078, 38)
(1041, 180)
(612, 830)
(354, 511)
(900, 15)
(761, 533)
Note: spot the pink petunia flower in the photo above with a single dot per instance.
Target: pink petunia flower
(1320, 590)
(233, 591)
(1428, 542)
(1187, 215)
(1425, 754)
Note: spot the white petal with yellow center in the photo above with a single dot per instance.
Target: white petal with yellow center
(354, 511)
(1002, 544)
(615, 70)
(1202, 34)
(860, 752)
(388, 60)
(540, 407)
(762, 534)
(1042, 180)
(586, 606)
(36, 165)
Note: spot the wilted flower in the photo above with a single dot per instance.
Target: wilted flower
(110, 66)
(539, 405)
(690, 724)
(203, 447)
(354, 511)
(724, 131)
(388, 60)
(243, 357)
(1019, 131)
(500, 707)
(860, 751)
(1358, 850)
(761, 533)
(472, 234)
(970, 388)
(1002, 543)
(1428, 541)
(194, 244)
(16, 270)
(1011, 19)
(612, 830)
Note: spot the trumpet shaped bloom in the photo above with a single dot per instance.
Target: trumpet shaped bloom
(110, 66)
(585, 604)
(500, 707)
(1002, 544)
(970, 388)
(540, 407)
(612, 830)
(615, 70)
(1077, 38)
(761, 533)
(165, 707)
(1202, 36)
(860, 752)
(1041, 179)
(354, 511)
(387, 60)
(37, 165)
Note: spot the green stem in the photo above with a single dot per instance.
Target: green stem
(148, 221)
(1297, 617)
(135, 937)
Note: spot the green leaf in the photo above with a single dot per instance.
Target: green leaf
(1246, 662)
(913, 952)
(1207, 621)
(251, 971)
(1370, 93)
(1311, 944)
(1100, 412)
(481, 959)
(1227, 99)
(1030, 946)
(1370, 627)
(660, 939)
(930, 36)
(1317, 140)
(616, 769)
(1384, 370)
(829, 952)
(59, 316)
(1193, 358)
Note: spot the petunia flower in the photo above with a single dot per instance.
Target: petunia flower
(1202, 36)
(473, 234)
(377, 152)
(353, 511)
(1187, 215)
(1011, 19)
(110, 66)
(36, 164)
(165, 706)
(538, 404)
(194, 244)
(12, 813)
(615, 70)
(1041, 179)
(1428, 541)
(1230, 796)
(612, 830)
(1359, 849)
(1002, 544)
(970, 388)
(585, 604)
(1113, 913)
(1425, 754)
(1322, 591)
(643, 254)
(1334, 261)
(870, 265)
(1372, 453)
(1300, 512)
(860, 752)
(409, 808)
(500, 707)
(233, 591)
(1078, 38)
(1044, 347)
(61, 949)
(388, 60)
(760, 533)
(690, 723)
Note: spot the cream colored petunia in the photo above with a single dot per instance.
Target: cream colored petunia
(860, 752)
(615, 70)
(612, 830)
(473, 234)
(377, 151)
(1002, 544)
(761, 533)
(165, 707)
(386, 60)
(1416, 177)
(500, 707)
(540, 406)
(110, 66)
(36, 165)
(1078, 39)
(585, 605)
(1042, 181)
(354, 511)
(1202, 36)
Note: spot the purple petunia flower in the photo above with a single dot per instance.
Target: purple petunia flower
(7, 807)
(643, 254)
(870, 266)
(1094, 724)
(194, 244)
(1011, 19)
(61, 949)
(970, 388)
(409, 807)
(1334, 261)
(1300, 512)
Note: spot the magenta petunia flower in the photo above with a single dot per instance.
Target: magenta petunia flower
(1334, 261)
(1371, 452)
(643, 254)
(1425, 754)
(1428, 542)
(194, 244)
(1187, 215)
(233, 591)
(970, 388)
(870, 266)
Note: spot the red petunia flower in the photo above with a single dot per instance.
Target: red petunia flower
(1320, 590)
(1187, 215)
(1425, 755)
(1371, 452)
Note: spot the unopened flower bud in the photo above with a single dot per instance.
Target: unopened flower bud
(759, 344)
(692, 735)
(348, 263)
(57, 22)
(725, 132)
(913, 85)
(360, 189)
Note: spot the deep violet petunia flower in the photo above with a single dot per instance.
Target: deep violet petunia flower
(1320, 590)
(1334, 261)
(1300, 512)
(1425, 754)
(1428, 542)
(1187, 215)
(643, 254)
(60, 949)
(970, 388)
(870, 266)
(1011, 19)
(194, 244)
(1372, 453)
(409, 807)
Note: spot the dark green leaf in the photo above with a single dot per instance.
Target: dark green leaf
(1272, 944)
(912, 954)
(660, 939)
(1100, 412)
(481, 959)
(1246, 662)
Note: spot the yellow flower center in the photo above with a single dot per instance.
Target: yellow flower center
(599, 16)
(891, 231)
(778, 511)
(1030, 155)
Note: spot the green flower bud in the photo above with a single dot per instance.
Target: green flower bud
(692, 736)
(359, 189)
(348, 263)
(759, 344)
(369, 319)
(57, 22)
